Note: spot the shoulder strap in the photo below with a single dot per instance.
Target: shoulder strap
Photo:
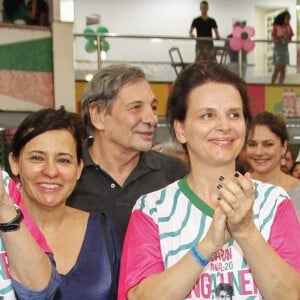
(111, 254)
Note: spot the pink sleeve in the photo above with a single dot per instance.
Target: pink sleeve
(274, 31)
(285, 234)
(16, 195)
(141, 255)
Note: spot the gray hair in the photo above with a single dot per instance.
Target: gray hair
(106, 85)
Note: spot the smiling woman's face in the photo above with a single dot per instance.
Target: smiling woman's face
(48, 168)
(264, 150)
(214, 127)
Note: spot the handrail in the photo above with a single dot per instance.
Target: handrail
(100, 36)
(167, 37)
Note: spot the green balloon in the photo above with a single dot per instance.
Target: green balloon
(90, 47)
(104, 45)
(102, 29)
(87, 34)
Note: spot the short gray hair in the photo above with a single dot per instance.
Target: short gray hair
(106, 85)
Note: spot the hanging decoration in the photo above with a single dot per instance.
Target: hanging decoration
(90, 36)
(242, 38)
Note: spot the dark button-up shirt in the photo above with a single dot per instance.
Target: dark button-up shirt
(97, 191)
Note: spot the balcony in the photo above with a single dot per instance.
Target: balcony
(151, 53)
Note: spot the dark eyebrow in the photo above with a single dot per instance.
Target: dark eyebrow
(43, 153)
(134, 102)
(154, 100)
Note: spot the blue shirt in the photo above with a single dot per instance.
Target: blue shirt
(91, 276)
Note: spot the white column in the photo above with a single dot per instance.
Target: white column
(63, 65)
(56, 10)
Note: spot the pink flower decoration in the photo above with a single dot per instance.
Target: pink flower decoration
(241, 38)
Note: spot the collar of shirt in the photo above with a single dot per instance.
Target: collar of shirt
(147, 159)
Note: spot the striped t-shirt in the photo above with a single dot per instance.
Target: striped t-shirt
(165, 224)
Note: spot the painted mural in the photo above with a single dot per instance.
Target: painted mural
(26, 77)
(281, 99)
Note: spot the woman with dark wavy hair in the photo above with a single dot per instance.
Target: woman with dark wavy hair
(266, 150)
(214, 225)
(282, 34)
(46, 155)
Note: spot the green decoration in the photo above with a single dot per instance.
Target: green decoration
(90, 47)
(244, 35)
(104, 45)
(88, 32)
(102, 29)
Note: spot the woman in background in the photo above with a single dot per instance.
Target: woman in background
(295, 172)
(287, 161)
(266, 147)
(282, 34)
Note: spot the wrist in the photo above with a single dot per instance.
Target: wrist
(207, 248)
(7, 211)
(245, 233)
(198, 256)
(14, 222)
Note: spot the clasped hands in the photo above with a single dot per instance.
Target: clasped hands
(233, 216)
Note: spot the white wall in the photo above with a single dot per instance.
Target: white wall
(169, 17)
(164, 17)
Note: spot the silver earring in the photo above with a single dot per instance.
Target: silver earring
(282, 160)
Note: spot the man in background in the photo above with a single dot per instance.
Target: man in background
(204, 26)
(119, 110)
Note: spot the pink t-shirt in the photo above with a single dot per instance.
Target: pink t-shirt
(284, 31)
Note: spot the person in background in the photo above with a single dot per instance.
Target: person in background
(295, 172)
(186, 238)
(35, 12)
(242, 164)
(287, 161)
(234, 64)
(173, 148)
(120, 111)
(282, 34)
(41, 15)
(46, 155)
(204, 25)
(266, 147)
(16, 11)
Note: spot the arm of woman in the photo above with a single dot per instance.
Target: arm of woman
(274, 277)
(277, 33)
(143, 275)
(28, 264)
(290, 33)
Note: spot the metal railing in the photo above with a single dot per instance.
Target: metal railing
(151, 53)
